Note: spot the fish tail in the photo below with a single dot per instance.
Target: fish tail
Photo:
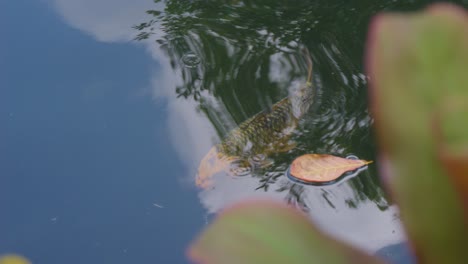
(212, 163)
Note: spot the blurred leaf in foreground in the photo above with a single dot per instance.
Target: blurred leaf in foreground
(13, 259)
(266, 232)
(417, 64)
(452, 143)
(322, 168)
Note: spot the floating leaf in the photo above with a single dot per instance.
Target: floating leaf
(322, 168)
(416, 63)
(267, 232)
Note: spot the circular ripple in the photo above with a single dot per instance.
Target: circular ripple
(240, 168)
(190, 60)
(352, 157)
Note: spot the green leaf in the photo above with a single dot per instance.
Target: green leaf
(416, 63)
(452, 143)
(13, 259)
(267, 232)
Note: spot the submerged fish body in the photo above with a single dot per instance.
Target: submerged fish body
(265, 133)
(255, 134)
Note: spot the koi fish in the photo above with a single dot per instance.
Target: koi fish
(265, 133)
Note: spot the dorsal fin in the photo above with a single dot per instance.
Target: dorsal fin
(309, 65)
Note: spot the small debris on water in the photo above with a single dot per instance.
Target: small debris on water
(158, 205)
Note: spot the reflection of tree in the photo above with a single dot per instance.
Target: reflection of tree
(240, 43)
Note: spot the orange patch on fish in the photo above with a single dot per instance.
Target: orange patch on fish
(213, 162)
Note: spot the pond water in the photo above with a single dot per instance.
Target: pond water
(107, 108)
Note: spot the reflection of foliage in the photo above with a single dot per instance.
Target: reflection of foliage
(235, 41)
(248, 53)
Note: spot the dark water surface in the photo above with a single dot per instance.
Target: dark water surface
(107, 107)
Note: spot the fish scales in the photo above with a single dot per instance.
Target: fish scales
(259, 130)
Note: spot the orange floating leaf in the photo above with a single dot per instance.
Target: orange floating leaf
(322, 168)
